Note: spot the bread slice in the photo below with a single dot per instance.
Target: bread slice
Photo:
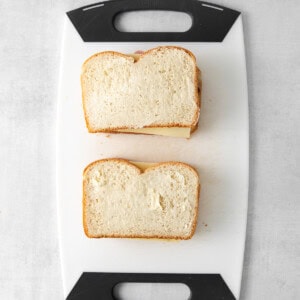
(156, 89)
(123, 199)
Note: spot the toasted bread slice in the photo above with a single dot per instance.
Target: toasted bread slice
(124, 199)
(134, 94)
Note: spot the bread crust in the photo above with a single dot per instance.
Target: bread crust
(135, 59)
(139, 171)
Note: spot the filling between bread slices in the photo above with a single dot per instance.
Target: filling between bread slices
(184, 132)
(143, 165)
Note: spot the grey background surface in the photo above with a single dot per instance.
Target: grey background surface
(30, 42)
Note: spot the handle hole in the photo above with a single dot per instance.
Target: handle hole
(150, 291)
(153, 21)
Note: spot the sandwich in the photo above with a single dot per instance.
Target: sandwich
(123, 199)
(154, 92)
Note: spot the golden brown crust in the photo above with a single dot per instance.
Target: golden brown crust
(114, 159)
(194, 128)
(140, 171)
(132, 236)
(136, 58)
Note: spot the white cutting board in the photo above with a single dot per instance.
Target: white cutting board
(218, 149)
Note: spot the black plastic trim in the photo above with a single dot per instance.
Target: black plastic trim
(96, 286)
(210, 22)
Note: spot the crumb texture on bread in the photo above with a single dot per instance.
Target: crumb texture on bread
(120, 200)
(159, 89)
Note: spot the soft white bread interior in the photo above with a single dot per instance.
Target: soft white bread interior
(158, 88)
(136, 200)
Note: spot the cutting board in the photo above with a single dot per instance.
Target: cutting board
(218, 149)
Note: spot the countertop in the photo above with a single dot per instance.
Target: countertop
(31, 36)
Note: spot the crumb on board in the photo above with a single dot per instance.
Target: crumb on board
(107, 135)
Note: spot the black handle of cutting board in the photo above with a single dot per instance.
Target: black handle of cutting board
(97, 286)
(210, 22)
